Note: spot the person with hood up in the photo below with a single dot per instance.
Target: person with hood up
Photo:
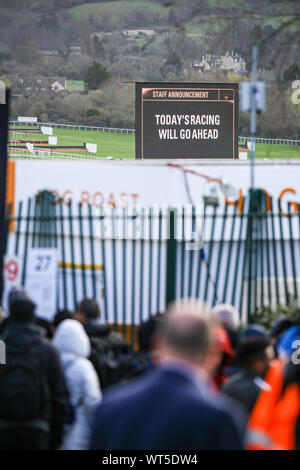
(74, 348)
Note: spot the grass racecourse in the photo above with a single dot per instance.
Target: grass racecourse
(123, 145)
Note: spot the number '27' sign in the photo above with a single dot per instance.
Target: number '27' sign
(42, 262)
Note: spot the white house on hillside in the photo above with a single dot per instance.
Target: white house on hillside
(230, 62)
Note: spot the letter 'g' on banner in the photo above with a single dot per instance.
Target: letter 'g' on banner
(2, 92)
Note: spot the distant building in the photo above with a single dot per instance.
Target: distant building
(229, 62)
(75, 49)
(24, 85)
(58, 85)
(136, 32)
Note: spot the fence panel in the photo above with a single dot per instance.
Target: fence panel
(135, 261)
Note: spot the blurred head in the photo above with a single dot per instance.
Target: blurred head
(255, 331)
(184, 332)
(22, 310)
(254, 354)
(71, 340)
(60, 316)
(282, 324)
(147, 330)
(16, 293)
(86, 310)
(227, 315)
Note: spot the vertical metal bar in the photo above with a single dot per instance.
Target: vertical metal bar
(142, 263)
(81, 239)
(159, 243)
(54, 223)
(150, 263)
(272, 215)
(36, 217)
(171, 258)
(255, 230)
(261, 252)
(218, 266)
(47, 224)
(237, 264)
(115, 280)
(268, 246)
(201, 255)
(63, 256)
(53, 235)
(102, 218)
(230, 244)
(133, 289)
(283, 258)
(211, 244)
(73, 272)
(249, 253)
(255, 201)
(247, 249)
(124, 247)
(292, 252)
(192, 252)
(43, 221)
(91, 230)
(26, 242)
(18, 230)
(182, 267)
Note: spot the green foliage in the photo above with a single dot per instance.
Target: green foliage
(64, 50)
(122, 14)
(28, 54)
(95, 75)
(292, 72)
(92, 112)
(4, 56)
(98, 47)
(266, 317)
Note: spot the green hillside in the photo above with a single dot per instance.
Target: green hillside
(119, 10)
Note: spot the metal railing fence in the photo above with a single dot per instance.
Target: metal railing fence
(136, 261)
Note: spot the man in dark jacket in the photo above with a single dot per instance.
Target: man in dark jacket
(33, 392)
(253, 356)
(109, 348)
(171, 406)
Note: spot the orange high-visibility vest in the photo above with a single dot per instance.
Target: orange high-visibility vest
(273, 418)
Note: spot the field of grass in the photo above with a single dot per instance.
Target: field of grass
(118, 10)
(108, 144)
(277, 151)
(75, 85)
(123, 145)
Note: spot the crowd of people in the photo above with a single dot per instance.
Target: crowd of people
(196, 381)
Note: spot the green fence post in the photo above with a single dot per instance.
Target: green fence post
(171, 258)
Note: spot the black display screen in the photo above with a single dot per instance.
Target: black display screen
(186, 120)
